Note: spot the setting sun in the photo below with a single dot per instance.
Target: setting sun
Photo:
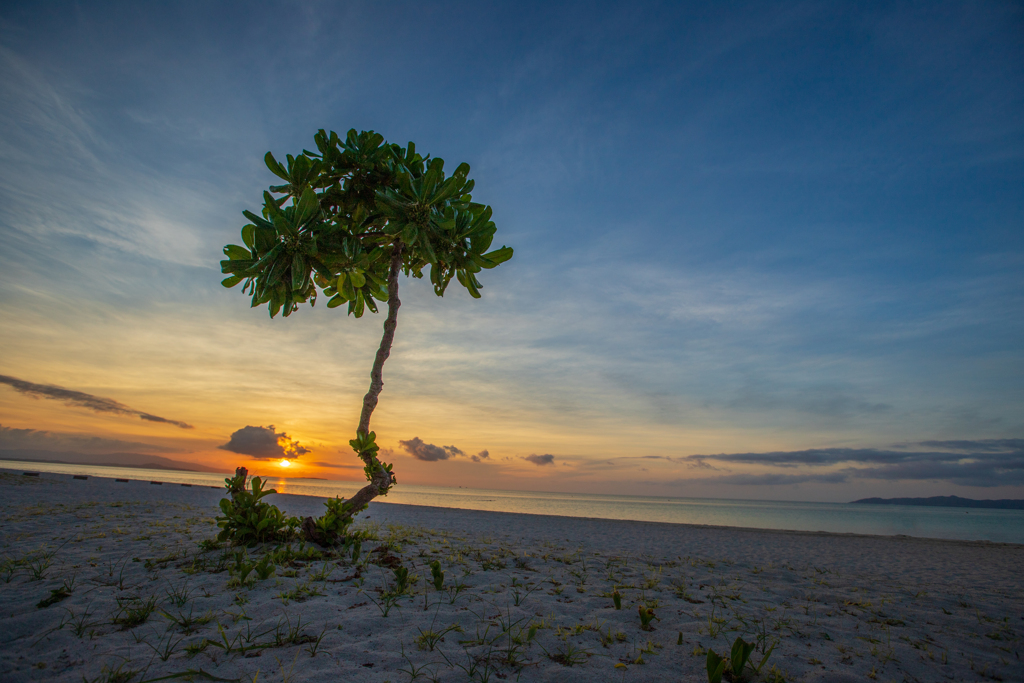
(285, 463)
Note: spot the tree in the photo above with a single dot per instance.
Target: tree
(348, 221)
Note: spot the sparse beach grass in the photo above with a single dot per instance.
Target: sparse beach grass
(125, 585)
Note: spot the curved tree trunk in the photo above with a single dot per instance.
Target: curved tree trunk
(381, 480)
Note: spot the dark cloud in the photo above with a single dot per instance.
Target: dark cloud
(546, 459)
(428, 452)
(979, 473)
(980, 463)
(263, 443)
(83, 400)
(812, 456)
(983, 445)
(771, 479)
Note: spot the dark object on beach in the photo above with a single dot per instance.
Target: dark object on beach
(80, 476)
(56, 595)
(384, 557)
(125, 480)
(189, 485)
(31, 474)
(156, 483)
(349, 220)
(314, 535)
(946, 502)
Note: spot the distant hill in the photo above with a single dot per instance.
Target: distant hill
(105, 459)
(946, 502)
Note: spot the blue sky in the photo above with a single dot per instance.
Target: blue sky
(747, 228)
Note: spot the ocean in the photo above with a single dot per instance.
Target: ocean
(1002, 526)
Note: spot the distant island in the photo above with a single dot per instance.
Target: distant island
(137, 460)
(946, 502)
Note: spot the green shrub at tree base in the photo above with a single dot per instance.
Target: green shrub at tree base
(247, 518)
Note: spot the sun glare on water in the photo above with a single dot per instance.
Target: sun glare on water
(285, 463)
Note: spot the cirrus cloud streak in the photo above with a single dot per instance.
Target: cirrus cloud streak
(81, 399)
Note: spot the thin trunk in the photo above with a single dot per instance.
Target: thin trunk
(381, 480)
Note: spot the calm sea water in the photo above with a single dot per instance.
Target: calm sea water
(1005, 526)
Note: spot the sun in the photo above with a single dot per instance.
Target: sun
(285, 463)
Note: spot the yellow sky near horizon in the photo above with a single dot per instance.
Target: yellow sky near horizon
(220, 377)
(221, 367)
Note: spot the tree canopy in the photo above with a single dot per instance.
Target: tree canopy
(341, 215)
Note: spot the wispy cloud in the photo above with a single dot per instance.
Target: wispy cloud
(771, 479)
(334, 465)
(954, 451)
(979, 463)
(546, 459)
(81, 399)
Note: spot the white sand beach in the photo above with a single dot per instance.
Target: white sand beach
(107, 581)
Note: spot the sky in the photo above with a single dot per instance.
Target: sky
(762, 250)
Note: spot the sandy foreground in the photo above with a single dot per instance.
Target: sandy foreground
(107, 581)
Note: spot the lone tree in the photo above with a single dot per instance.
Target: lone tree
(348, 220)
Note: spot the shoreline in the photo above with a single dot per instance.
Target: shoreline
(694, 525)
(838, 606)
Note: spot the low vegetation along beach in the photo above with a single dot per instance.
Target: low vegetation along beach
(125, 581)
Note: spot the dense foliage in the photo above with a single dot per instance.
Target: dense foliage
(341, 214)
(247, 518)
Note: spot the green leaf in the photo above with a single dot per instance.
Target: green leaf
(358, 278)
(232, 281)
(410, 234)
(235, 252)
(740, 653)
(716, 667)
(346, 289)
(259, 221)
(281, 222)
(357, 306)
(469, 282)
(497, 257)
(300, 170)
(275, 167)
(425, 251)
(249, 236)
(300, 271)
(309, 206)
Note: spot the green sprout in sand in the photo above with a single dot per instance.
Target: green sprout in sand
(739, 658)
(347, 221)
(646, 617)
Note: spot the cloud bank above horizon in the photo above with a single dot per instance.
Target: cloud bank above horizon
(264, 443)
